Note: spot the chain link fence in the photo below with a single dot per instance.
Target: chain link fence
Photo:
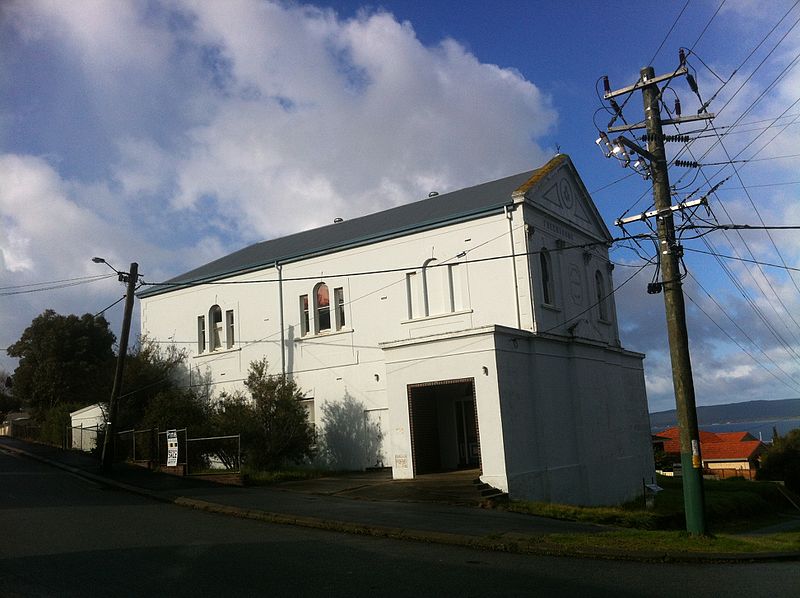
(198, 456)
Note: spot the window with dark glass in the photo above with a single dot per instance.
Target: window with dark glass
(546, 273)
(215, 328)
(201, 334)
(229, 329)
(600, 288)
(338, 300)
(304, 316)
(322, 308)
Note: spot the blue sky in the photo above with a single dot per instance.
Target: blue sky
(171, 132)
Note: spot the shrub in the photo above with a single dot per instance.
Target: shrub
(782, 461)
(283, 433)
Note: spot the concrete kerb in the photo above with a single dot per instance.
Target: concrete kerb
(510, 543)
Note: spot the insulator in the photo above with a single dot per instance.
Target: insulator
(666, 138)
(687, 164)
(677, 107)
(682, 57)
(606, 84)
(692, 83)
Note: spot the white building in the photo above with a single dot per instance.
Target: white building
(470, 329)
(85, 424)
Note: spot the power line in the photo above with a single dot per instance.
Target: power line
(52, 287)
(743, 349)
(708, 24)
(742, 259)
(675, 22)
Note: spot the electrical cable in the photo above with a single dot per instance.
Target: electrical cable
(675, 22)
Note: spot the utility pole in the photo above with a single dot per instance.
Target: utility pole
(670, 254)
(108, 444)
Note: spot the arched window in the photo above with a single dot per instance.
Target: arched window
(546, 274)
(322, 308)
(600, 289)
(215, 328)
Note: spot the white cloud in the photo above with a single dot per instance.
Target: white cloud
(194, 128)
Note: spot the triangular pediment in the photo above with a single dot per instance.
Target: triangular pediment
(557, 190)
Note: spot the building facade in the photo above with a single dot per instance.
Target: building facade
(470, 329)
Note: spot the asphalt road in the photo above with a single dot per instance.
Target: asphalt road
(61, 535)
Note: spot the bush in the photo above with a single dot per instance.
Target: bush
(282, 432)
(178, 408)
(54, 424)
(782, 461)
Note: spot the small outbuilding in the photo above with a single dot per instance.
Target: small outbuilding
(85, 423)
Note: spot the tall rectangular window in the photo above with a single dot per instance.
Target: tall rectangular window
(201, 334)
(229, 338)
(412, 295)
(304, 319)
(322, 308)
(454, 283)
(338, 301)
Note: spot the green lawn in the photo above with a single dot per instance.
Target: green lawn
(662, 542)
(731, 505)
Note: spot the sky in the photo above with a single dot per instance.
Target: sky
(172, 132)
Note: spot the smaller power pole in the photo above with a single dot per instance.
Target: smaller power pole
(108, 443)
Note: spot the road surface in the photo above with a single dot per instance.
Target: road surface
(61, 535)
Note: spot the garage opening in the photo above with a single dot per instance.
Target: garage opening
(444, 426)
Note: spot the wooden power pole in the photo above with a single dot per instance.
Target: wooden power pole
(108, 442)
(670, 254)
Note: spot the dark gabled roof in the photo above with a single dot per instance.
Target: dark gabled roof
(465, 204)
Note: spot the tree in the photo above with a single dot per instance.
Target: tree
(63, 360)
(150, 370)
(8, 402)
(782, 461)
(283, 431)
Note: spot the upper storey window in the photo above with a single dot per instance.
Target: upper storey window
(322, 312)
(602, 295)
(219, 333)
(322, 308)
(215, 328)
(434, 289)
(546, 276)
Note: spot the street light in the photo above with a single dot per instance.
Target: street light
(131, 278)
(123, 276)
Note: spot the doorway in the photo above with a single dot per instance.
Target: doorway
(443, 421)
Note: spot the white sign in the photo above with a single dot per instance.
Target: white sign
(172, 448)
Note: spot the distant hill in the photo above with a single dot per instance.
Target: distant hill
(749, 411)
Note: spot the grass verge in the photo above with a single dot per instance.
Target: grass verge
(673, 542)
(731, 505)
(265, 478)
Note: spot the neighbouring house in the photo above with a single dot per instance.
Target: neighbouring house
(15, 424)
(472, 329)
(85, 424)
(724, 454)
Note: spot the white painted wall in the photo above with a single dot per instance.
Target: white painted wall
(562, 415)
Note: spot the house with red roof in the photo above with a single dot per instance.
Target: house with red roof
(724, 454)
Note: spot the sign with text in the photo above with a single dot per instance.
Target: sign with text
(172, 448)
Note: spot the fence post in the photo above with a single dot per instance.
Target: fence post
(186, 449)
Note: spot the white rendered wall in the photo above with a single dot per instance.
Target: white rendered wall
(468, 354)
(575, 421)
(330, 365)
